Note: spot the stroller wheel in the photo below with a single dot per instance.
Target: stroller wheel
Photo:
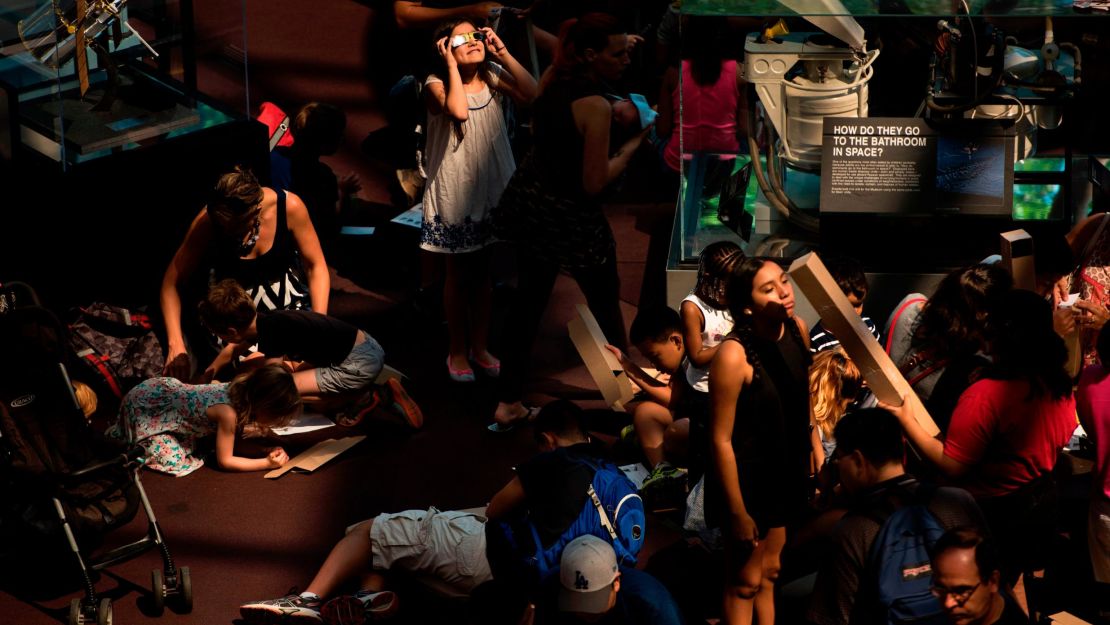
(75, 612)
(185, 587)
(158, 591)
(104, 614)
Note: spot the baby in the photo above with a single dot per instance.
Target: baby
(631, 115)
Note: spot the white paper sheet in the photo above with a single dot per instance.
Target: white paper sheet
(413, 217)
(637, 473)
(305, 422)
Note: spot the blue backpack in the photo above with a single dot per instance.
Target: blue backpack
(613, 511)
(900, 560)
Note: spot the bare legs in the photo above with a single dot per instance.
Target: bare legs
(349, 559)
(651, 421)
(750, 591)
(466, 303)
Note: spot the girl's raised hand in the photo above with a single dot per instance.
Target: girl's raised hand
(443, 46)
(494, 45)
(277, 457)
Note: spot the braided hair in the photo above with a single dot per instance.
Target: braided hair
(715, 267)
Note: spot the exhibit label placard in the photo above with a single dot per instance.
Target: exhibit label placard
(911, 166)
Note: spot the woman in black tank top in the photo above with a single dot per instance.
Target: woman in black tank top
(759, 430)
(261, 238)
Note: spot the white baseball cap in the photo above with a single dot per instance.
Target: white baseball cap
(587, 571)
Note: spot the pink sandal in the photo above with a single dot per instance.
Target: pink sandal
(459, 375)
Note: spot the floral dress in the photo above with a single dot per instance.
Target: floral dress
(167, 418)
(1092, 281)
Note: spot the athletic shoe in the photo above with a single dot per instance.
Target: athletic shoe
(664, 489)
(288, 609)
(663, 475)
(357, 412)
(403, 404)
(360, 608)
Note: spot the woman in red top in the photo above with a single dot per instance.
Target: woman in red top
(1008, 427)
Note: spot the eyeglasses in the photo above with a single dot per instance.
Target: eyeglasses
(463, 39)
(959, 595)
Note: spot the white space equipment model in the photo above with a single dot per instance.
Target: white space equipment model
(978, 72)
(60, 30)
(800, 79)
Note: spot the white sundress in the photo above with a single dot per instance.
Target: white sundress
(465, 178)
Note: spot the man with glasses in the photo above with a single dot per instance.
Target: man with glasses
(868, 460)
(966, 581)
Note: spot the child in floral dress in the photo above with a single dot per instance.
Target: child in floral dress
(169, 418)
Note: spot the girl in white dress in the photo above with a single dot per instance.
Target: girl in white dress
(469, 163)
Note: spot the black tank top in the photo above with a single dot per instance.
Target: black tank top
(786, 362)
(275, 280)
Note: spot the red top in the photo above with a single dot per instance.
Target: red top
(708, 120)
(1008, 439)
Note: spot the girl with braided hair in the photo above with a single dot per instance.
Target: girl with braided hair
(759, 434)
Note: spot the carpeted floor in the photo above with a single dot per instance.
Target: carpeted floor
(245, 537)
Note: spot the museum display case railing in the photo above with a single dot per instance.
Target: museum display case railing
(1008, 94)
(84, 79)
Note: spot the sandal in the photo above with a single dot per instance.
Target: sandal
(459, 375)
(530, 414)
(492, 370)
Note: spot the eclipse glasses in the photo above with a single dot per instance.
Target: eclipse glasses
(463, 39)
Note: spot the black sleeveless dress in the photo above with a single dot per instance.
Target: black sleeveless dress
(275, 280)
(770, 435)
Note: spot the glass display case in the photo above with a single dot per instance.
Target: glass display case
(84, 79)
(904, 133)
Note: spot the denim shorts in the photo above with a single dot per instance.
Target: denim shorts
(356, 372)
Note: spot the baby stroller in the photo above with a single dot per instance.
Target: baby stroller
(60, 477)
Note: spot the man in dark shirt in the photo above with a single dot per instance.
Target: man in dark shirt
(868, 458)
(462, 548)
(966, 581)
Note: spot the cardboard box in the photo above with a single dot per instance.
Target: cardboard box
(316, 456)
(607, 373)
(883, 377)
(1017, 257)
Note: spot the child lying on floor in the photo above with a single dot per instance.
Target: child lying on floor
(168, 418)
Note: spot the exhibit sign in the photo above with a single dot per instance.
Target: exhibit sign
(914, 167)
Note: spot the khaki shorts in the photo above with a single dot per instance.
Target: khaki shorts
(450, 546)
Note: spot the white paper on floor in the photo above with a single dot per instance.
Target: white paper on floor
(413, 217)
(637, 473)
(305, 422)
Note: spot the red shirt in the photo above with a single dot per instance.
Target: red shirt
(1008, 439)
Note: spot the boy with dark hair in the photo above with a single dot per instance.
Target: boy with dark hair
(849, 276)
(317, 130)
(332, 357)
(868, 458)
(663, 421)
